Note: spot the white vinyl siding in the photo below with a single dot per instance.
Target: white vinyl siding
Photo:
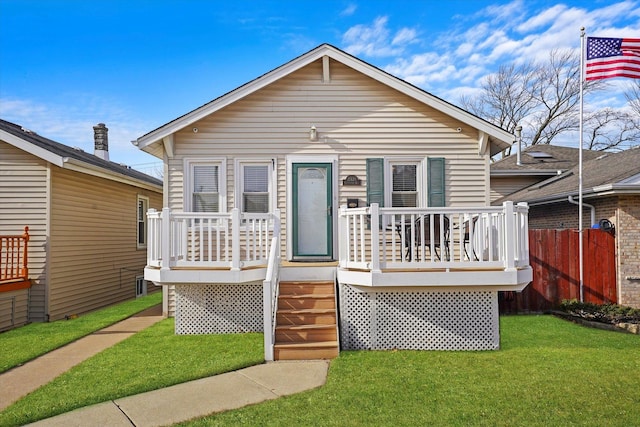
(356, 118)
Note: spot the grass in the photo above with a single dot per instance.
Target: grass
(153, 358)
(30, 341)
(549, 372)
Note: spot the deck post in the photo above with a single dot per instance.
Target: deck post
(343, 236)
(235, 239)
(375, 238)
(165, 239)
(510, 235)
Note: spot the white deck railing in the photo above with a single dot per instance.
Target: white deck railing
(210, 240)
(379, 239)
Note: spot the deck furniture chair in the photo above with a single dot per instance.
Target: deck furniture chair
(422, 236)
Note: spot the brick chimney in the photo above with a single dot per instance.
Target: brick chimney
(101, 140)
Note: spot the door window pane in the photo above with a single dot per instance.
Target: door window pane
(206, 191)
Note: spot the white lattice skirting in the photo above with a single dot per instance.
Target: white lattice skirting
(219, 309)
(421, 320)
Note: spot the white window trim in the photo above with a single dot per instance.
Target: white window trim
(145, 220)
(189, 163)
(272, 165)
(420, 177)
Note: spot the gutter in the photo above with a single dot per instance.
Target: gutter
(593, 208)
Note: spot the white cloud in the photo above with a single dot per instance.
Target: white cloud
(349, 10)
(375, 40)
(71, 123)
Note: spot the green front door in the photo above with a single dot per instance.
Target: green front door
(312, 211)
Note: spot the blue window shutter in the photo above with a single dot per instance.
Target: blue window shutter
(435, 181)
(375, 182)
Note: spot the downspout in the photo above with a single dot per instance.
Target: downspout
(593, 209)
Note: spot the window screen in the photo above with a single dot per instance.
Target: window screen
(404, 184)
(206, 191)
(255, 195)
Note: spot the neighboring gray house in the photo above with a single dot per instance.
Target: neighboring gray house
(611, 191)
(537, 163)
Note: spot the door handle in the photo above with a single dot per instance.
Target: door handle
(329, 211)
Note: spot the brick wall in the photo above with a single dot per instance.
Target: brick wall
(565, 215)
(628, 249)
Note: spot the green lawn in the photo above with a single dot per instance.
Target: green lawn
(548, 373)
(30, 341)
(151, 359)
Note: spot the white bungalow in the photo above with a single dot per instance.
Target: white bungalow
(334, 206)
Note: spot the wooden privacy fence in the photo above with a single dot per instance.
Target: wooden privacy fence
(554, 257)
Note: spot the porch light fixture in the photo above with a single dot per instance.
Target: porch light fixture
(313, 134)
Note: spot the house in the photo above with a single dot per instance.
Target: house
(328, 174)
(611, 192)
(86, 221)
(536, 163)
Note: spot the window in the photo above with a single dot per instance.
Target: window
(404, 185)
(141, 286)
(254, 190)
(397, 182)
(143, 207)
(404, 178)
(205, 184)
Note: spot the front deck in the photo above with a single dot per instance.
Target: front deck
(483, 247)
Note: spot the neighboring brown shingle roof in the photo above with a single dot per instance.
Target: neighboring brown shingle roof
(606, 169)
(562, 158)
(66, 151)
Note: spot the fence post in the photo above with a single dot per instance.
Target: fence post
(375, 238)
(165, 239)
(235, 239)
(25, 261)
(509, 242)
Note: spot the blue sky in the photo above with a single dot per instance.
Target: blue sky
(66, 65)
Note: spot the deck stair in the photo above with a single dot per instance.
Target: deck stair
(306, 325)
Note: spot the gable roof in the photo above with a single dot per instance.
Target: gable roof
(607, 174)
(67, 157)
(499, 139)
(554, 160)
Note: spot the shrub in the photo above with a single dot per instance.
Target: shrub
(606, 313)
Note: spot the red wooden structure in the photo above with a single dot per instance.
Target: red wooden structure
(554, 257)
(14, 273)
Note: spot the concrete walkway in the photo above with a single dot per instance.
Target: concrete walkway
(199, 398)
(161, 407)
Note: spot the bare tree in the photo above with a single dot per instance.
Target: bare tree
(542, 97)
(633, 96)
(610, 129)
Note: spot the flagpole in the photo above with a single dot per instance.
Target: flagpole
(580, 237)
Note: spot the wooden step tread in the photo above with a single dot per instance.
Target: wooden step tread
(307, 345)
(307, 311)
(310, 296)
(307, 282)
(303, 327)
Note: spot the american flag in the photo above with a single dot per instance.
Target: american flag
(610, 57)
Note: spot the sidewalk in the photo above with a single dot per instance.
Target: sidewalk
(24, 379)
(161, 407)
(199, 398)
